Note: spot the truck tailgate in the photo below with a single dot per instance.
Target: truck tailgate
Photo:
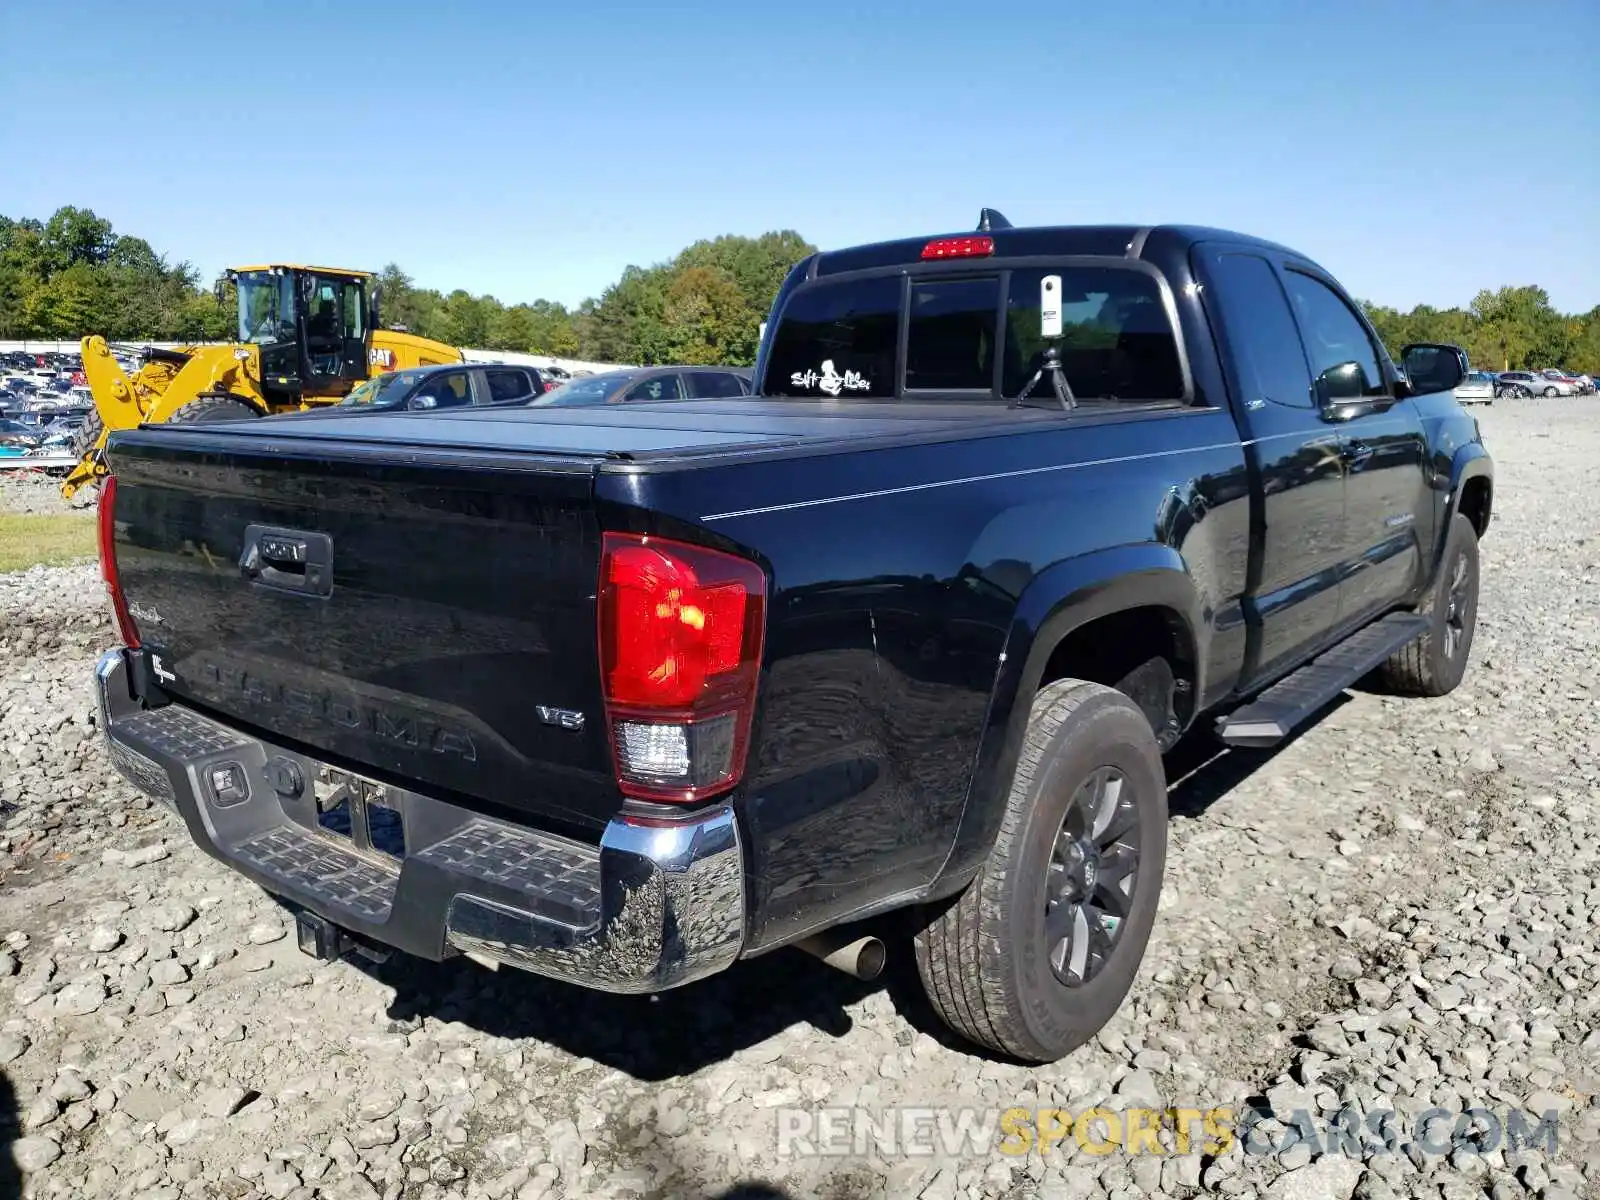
(417, 618)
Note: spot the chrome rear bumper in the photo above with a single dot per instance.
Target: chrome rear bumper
(658, 903)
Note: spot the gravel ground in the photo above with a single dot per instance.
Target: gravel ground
(1396, 912)
(30, 492)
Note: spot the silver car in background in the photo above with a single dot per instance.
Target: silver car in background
(1530, 383)
(1580, 384)
(1477, 388)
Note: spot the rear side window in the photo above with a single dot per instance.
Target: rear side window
(713, 384)
(950, 342)
(659, 387)
(506, 386)
(837, 339)
(1116, 339)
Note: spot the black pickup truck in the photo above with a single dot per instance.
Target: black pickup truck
(623, 695)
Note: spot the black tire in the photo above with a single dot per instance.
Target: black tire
(985, 956)
(88, 433)
(1434, 664)
(203, 410)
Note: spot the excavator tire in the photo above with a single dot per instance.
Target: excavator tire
(88, 433)
(218, 406)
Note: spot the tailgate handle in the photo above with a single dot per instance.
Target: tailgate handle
(288, 560)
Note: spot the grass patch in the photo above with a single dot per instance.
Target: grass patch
(51, 539)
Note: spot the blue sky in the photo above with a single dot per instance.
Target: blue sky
(1419, 149)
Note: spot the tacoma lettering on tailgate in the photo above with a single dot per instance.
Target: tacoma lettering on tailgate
(387, 723)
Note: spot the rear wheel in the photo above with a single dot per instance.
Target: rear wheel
(1434, 664)
(1040, 949)
(217, 406)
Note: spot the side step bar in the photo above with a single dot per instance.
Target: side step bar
(1274, 714)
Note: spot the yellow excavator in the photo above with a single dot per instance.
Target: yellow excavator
(306, 337)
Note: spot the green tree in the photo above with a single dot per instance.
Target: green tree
(706, 318)
(511, 329)
(465, 318)
(1520, 328)
(76, 237)
(74, 274)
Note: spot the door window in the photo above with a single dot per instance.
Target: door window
(508, 386)
(714, 384)
(450, 389)
(659, 387)
(322, 313)
(1261, 332)
(354, 321)
(1343, 358)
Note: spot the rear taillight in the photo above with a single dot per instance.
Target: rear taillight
(681, 629)
(120, 620)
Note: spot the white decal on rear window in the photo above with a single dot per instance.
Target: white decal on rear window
(830, 381)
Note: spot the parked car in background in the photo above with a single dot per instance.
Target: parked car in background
(650, 383)
(449, 385)
(1581, 385)
(1552, 378)
(1477, 388)
(1522, 384)
(15, 433)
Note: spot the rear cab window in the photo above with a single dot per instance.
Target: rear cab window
(972, 331)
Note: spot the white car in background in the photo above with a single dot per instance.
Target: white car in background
(1477, 388)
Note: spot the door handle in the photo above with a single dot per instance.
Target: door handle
(1355, 453)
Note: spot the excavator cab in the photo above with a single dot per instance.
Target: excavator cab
(310, 326)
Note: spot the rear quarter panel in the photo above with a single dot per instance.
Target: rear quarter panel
(903, 581)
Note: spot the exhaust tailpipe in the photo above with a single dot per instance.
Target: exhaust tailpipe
(863, 957)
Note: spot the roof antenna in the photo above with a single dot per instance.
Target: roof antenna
(990, 219)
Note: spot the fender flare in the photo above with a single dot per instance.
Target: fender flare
(1471, 461)
(1061, 598)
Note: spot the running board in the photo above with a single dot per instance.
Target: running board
(1273, 715)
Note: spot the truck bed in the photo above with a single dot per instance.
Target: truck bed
(636, 432)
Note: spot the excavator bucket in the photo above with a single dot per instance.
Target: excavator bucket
(115, 407)
(167, 381)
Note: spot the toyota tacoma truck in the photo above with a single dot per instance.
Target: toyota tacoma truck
(624, 696)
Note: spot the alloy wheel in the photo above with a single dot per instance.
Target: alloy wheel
(1094, 866)
(1457, 611)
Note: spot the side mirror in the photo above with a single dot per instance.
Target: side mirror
(1433, 366)
(1342, 383)
(373, 320)
(425, 402)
